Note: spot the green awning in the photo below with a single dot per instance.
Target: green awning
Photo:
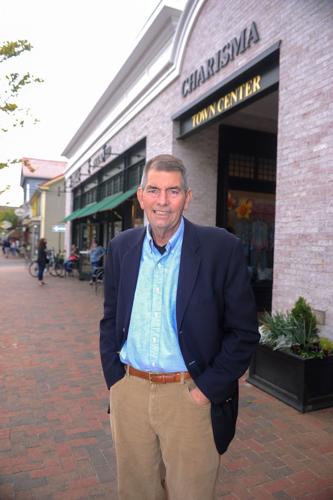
(97, 206)
(80, 212)
(114, 201)
(72, 215)
(108, 203)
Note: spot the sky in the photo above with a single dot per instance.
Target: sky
(78, 46)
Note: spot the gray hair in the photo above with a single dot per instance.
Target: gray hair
(165, 163)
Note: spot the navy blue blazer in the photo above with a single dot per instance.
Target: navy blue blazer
(215, 308)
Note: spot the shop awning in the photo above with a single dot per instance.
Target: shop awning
(114, 201)
(80, 212)
(108, 203)
(97, 206)
(71, 216)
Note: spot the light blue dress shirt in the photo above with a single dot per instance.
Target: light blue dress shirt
(152, 343)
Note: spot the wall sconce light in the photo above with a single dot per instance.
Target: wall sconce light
(107, 151)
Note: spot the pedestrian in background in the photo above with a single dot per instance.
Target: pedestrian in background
(41, 260)
(73, 259)
(13, 248)
(178, 330)
(6, 248)
(96, 259)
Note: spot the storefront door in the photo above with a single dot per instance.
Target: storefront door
(247, 179)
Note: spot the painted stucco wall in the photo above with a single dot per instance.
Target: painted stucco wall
(54, 213)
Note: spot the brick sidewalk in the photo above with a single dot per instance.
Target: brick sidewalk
(54, 433)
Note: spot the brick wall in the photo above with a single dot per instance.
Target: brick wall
(304, 226)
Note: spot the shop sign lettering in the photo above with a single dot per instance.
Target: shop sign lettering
(231, 50)
(227, 101)
(101, 156)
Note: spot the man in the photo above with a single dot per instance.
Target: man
(178, 331)
(96, 256)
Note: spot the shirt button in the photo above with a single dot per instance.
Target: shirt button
(154, 339)
(157, 290)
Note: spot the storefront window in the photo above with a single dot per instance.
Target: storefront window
(251, 218)
(92, 183)
(113, 185)
(89, 196)
(137, 214)
(241, 165)
(76, 202)
(119, 176)
(113, 169)
(135, 174)
(136, 155)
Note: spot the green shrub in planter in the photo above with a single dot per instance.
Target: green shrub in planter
(302, 312)
(294, 331)
(292, 363)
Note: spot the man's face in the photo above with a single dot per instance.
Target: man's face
(163, 200)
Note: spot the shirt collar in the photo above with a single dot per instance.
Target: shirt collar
(176, 237)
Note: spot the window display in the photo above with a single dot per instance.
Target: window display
(251, 218)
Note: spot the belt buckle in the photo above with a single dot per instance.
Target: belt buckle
(160, 378)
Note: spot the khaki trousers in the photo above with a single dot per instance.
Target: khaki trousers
(163, 441)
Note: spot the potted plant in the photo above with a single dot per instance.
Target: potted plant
(292, 362)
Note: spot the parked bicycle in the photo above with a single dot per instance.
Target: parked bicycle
(54, 266)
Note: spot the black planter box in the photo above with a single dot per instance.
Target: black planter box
(304, 384)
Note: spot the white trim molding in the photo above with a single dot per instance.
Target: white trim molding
(152, 65)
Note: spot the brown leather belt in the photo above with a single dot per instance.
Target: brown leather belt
(159, 378)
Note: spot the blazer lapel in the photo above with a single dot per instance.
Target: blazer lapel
(188, 270)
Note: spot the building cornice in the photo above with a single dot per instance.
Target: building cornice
(160, 52)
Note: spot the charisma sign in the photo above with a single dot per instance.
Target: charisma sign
(231, 50)
(235, 93)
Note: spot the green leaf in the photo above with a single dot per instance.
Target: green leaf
(12, 84)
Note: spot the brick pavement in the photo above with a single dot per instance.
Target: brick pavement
(54, 433)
